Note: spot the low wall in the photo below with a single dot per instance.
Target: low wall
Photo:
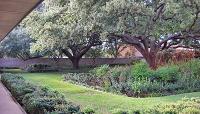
(63, 62)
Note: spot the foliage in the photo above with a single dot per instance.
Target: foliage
(69, 29)
(152, 25)
(17, 44)
(86, 79)
(191, 68)
(141, 70)
(166, 80)
(168, 73)
(122, 16)
(185, 106)
(95, 52)
(100, 71)
(72, 27)
(35, 99)
(40, 68)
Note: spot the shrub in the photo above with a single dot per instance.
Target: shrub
(119, 71)
(141, 70)
(84, 79)
(167, 73)
(100, 71)
(40, 68)
(35, 99)
(17, 85)
(191, 68)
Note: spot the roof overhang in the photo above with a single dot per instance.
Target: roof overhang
(12, 12)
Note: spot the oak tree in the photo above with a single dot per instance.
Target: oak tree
(152, 25)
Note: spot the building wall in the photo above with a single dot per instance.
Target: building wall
(128, 51)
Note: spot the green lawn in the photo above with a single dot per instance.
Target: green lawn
(102, 102)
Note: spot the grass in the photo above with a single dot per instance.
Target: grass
(102, 102)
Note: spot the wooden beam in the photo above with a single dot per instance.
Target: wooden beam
(12, 12)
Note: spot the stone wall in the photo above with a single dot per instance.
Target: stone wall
(63, 62)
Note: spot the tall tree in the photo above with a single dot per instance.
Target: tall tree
(65, 25)
(152, 25)
(17, 44)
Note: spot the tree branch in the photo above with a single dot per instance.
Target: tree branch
(159, 11)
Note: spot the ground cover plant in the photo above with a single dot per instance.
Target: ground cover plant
(37, 100)
(140, 81)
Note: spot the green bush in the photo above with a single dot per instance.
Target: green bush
(17, 85)
(35, 99)
(167, 73)
(141, 70)
(191, 68)
(86, 79)
(119, 71)
(100, 71)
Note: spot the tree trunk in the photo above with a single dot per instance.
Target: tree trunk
(151, 60)
(75, 62)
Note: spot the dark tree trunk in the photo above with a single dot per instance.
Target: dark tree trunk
(75, 62)
(78, 50)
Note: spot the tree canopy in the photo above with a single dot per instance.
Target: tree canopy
(66, 27)
(152, 25)
(17, 44)
(74, 26)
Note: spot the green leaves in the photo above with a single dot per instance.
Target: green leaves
(60, 22)
(136, 17)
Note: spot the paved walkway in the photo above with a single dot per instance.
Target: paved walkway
(7, 104)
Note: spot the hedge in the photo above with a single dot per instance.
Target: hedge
(38, 100)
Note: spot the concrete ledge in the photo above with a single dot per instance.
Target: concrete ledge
(8, 104)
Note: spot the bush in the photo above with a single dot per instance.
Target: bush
(84, 79)
(100, 71)
(141, 70)
(191, 68)
(35, 99)
(39, 68)
(167, 73)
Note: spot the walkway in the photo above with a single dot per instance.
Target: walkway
(7, 104)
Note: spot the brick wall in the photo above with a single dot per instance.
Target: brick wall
(63, 62)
